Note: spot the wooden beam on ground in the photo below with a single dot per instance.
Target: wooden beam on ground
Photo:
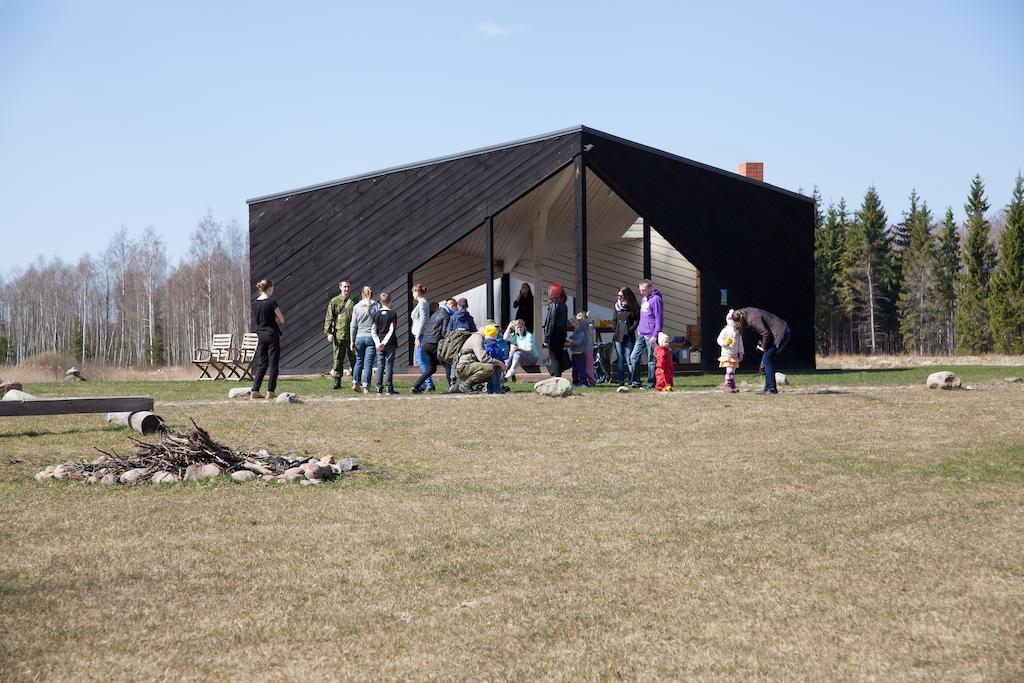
(67, 406)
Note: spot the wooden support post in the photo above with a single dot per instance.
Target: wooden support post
(581, 234)
(506, 299)
(489, 266)
(647, 249)
(410, 341)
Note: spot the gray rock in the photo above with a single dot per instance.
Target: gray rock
(238, 392)
(6, 386)
(44, 474)
(943, 380)
(109, 478)
(347, 465)
(312, 482)
(292, 475)
(622, 390)
(164, 478)
(243, 475)
(286, 397)
(17, 395)
(557, 387)
(197, 471)
(132, 475)
(1011, 380)
(93, 479)
(781, 379)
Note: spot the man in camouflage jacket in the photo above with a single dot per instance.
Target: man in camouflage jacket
(336, 327)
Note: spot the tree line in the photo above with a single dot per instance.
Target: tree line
(917, 286)
(128, 306)
(920, 285)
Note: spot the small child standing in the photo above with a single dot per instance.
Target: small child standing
(731, 341)
(664, 372)
(581, 348)
(385, 340)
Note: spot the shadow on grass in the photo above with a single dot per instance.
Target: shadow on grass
(58, 432)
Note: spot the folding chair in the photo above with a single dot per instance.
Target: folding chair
(240, 366)
(215, 358)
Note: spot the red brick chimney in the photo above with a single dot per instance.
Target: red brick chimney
(752, 169)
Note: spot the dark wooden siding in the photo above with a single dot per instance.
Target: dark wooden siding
(376, 230)
(743, 236)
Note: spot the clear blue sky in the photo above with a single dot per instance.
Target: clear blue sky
(141, 113)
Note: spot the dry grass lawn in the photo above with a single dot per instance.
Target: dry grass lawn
(861, 533)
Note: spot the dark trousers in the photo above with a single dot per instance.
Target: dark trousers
(268, 354)
(768, 361)
(386, 366)
(557, 355)
(579, 369)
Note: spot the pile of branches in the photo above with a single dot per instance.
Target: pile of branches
(194, 455)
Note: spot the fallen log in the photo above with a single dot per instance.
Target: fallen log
(142, 421)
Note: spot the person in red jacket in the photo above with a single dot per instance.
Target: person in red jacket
(664, 372)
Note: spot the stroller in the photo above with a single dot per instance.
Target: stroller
(602, 363)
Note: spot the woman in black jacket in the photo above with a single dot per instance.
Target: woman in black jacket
(266, 314)
(524, 306)
(556, 322)
(627, 317)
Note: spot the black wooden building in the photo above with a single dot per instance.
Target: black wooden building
(590, 210)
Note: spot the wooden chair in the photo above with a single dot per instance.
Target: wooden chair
(216, 358)
(240, 367)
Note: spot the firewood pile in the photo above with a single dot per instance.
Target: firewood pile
(192, 456)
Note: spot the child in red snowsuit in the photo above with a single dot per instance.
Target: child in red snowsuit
(664, 373)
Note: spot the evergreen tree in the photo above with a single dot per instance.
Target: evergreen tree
(947, 273)
(1006, 301)
(916, 301)
(867, 266)
(822, 279)
(77, 341)
(973, 331)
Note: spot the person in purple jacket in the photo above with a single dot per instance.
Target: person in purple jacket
(651, 322)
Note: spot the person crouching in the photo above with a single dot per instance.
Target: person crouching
(475, 365)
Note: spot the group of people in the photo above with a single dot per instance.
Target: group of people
(365, 335)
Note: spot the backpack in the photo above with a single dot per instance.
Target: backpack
(451, 346)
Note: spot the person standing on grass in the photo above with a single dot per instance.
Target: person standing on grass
(267, 316)
(524, 306)
(556, 325)
(774, 333)
(461, 318)
(651, 323)
(433, 333)
(336, 327)
(627, 317)
(385, 341)
(361, 333)
(730, 339)
(521, 349)
(420, 316)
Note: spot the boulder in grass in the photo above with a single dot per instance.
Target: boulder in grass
(74, 374)
(242, 476)
(556, 387)
(312, 482)
(132, 475)
(17, 395)
(286, 397)
(943, 380)
(108, 478)
(239, 392)
(347, 465)
(781, 379)
(6, 386)
(622, 390)
(292, 474)
(164, 478)
(198, 471)
(1011, 380)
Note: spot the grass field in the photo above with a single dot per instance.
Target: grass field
(856, 526)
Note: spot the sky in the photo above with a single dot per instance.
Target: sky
(155, 113)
